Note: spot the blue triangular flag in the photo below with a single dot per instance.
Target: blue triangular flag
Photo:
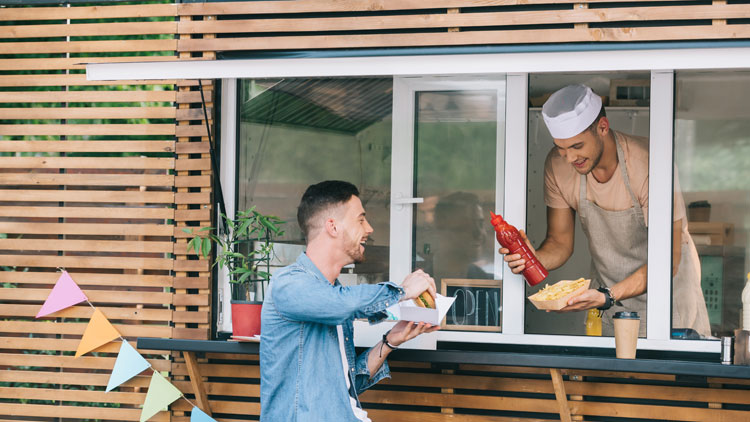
(198, 415)
(129, 363)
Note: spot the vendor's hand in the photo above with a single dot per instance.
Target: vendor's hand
(589, 299)
(515, 262)
(416, 283)
(404, 331)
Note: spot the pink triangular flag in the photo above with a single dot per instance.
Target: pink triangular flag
(66, 293)
(99, 332)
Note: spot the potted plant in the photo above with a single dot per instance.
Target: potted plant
(244, 248)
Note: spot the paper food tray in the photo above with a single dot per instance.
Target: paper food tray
(561, 302)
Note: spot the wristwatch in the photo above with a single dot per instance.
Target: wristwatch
(608, 299)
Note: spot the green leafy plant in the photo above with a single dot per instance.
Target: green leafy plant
(244, 248)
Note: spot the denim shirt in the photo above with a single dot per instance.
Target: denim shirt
(300, 360)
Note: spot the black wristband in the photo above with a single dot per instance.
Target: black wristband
(385, 341)
(608, 299)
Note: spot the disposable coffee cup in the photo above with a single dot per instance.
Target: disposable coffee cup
(626, 334)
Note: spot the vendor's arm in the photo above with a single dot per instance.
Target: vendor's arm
(633, 285)
(556, 247)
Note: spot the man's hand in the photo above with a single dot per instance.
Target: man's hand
(416, 283)
(516, 264)
(589, 299)
(404, 331)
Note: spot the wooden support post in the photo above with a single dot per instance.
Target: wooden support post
(580, 6)
(448, 410)
(714, 405)
(196, 381)
(562, 400)
(575, 397)
(719, 3)
(450, 12)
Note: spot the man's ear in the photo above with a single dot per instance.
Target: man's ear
(603, 126)
(330, 227)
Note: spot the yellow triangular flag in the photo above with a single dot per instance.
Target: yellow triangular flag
(161, 393)
(98, 332)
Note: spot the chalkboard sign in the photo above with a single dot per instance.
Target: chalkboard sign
(477, 305)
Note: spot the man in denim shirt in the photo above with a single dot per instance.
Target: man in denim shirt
(308, 367)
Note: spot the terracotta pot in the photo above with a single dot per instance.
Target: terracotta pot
(246, 318)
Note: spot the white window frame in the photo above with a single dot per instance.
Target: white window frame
(661, 62)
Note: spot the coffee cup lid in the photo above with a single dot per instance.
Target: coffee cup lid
(627, 315)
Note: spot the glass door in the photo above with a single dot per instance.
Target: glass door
(447, 175)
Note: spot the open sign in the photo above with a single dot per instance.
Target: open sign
(478, 304)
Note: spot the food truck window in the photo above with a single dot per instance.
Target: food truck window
(711, 150)
(626, 100)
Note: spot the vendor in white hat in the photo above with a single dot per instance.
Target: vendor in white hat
(603, 176)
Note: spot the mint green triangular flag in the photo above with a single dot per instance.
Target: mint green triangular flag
(161, 393)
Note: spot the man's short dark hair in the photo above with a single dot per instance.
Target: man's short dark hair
(320, 196)
(595, 123)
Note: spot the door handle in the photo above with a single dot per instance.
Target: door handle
(400, 202)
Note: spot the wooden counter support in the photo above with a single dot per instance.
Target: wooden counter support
(196, 381)
(562, 399)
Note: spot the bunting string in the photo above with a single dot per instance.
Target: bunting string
(129, 363)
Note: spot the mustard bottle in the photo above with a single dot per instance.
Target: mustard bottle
(594, 322)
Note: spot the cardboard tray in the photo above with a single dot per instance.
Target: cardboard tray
(561, 302)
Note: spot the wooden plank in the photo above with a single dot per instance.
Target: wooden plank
(465, 20)
(192, 147)
(191, 300)
(86, 196)
(218, 407)
(54, 411)
(134, 129)
(84, 279)
(320, 6)
(560, 395)
(46, 377)
(87, 229)
(196, 317)
(417, 416)
(110, 46)
(223, 388)
(73, 79)
(192, 164)
(118, 313)
(85, 245)
(185, 97)
(120, 212)
(48, 63)
(191, 265)
(71, 395)
(55, 261)
(196, 381)
(190, 130)
(191, 283)
(537, 386)
(190, 333)
(88, 162)
(47, 327)
(86, 361)
(193, 113)
(465, 401)
(203, 214)
(192, 181)
(670, 413)
(192, 198)
(88, 113)
(87, 146)
(221, 370)
(73, 179)
(86, 96)
(88, 29)
(660, 392)
(88, 12)
(466, 38)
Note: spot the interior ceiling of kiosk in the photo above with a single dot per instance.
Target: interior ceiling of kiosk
(334, 104)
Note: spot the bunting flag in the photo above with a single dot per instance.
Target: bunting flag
(161, 393)
(198, 415)
(66, 293)
(98, 332)
(129, 363)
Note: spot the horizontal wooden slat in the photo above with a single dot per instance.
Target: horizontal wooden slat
(56, 261)
(194, 113)
(466, 38)
(75, 79)
(192, 164)
(192, 181)
(87, 229)
(47, 327)
(191, 300)
(86, 96)
(190, 130)
(192, 198)
(88, 113)
(221, 370)
(86, 196)
(197, 317)
(236, 407)
(85, 245)
(670, 413)
(119, 212)
(87, 162)
(191, 282)
(54, 411)
(42, 179)
(193, 96)
(634, 391)
(88, 12)
(203, 214)
(222, 388)
(114, 313)
(46, 377)
(192, 147)
(191, 265)
(87, 146)
(463, 20)
(87, 279)
(72, 395)
(86, 46)
(461, 400)
(48, 63)
(92, 129)
(95, 29)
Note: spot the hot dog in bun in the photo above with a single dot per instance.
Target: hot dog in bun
(425, 300)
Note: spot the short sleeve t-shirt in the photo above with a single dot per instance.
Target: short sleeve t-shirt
(562, 183)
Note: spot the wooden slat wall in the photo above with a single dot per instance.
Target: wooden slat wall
(101, 178)
(87, 180)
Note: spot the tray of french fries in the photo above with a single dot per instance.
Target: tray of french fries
(555, 297)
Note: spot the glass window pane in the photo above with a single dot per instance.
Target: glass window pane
(712, 146)
(626, 100)
(296, 132)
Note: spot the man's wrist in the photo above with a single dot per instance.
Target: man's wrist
(387, 343)
(609, 300)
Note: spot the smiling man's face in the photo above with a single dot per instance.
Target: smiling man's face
(582, 151)
(355, 229)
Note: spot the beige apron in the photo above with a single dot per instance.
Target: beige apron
(618, 241)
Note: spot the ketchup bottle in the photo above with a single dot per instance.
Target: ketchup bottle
(510, 238)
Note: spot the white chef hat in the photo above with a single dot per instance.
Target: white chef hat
(570, 110)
